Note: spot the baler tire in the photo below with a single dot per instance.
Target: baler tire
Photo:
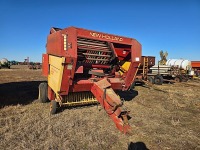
(158, 80)
(150, 79)
(43, 92)
(53, 107)
(178, 79)
(184, 78)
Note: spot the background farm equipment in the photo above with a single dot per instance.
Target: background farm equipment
(13, 62)
(34, 65)
(168, 73)
(4, 63)
(196, 68)
(173, 70)
(146, 63)
(25, 62)
(85, 67)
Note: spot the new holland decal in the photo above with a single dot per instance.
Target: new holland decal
(105, 36)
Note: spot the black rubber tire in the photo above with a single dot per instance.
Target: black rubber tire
(158, 80)
(53, 107)
(43, 87)
(178, 79)
(150, 79)
(185, 78)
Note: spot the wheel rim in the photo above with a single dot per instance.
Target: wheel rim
(51, 106)
(157, 81)
(177, 79)
(149, 80)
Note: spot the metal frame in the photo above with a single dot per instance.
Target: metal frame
(101, 47)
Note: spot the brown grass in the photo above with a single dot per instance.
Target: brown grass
(163, 117)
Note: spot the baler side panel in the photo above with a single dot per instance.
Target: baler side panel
(45, 64)
(136, 51)
(55, 73)
(54, 45)
(70, 53)
(103, 36)
(130, 75)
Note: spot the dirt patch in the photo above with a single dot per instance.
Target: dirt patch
(163, 117)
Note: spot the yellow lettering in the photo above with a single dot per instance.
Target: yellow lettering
(91, 33)
(107, 37)
(98, 35)
(104, 36)
(115, 38)
(120, 39)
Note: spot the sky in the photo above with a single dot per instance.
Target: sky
(168, 25)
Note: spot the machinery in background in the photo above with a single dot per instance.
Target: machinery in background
(177, 70)
(174, 70)
(13, 62)
(25, 62)
(196, 68)
(146, 63)
(4, 63)
(85, 67)
(34, 65)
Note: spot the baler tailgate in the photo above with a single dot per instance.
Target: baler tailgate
(111, 103)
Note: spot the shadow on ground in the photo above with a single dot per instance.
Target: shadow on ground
(127, 95)
(14, 93)
(137, 146)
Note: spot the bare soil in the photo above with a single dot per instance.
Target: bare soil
(164, 117)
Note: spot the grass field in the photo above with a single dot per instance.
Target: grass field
(164, 117)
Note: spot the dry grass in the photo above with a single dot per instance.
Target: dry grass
(163, 117)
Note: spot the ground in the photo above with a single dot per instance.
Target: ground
(164, 117)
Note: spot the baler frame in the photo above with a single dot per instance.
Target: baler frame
(80, 60)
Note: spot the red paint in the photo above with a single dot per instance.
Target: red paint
(45, 64)
(79, 69)
(51, 94)
(111, 103)
(87, 50)
(195, 64)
